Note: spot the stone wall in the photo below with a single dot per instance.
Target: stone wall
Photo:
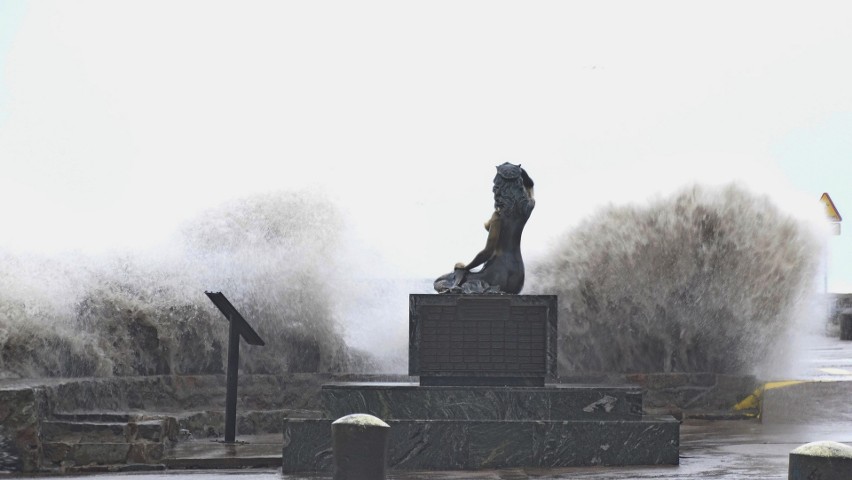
(21, 409)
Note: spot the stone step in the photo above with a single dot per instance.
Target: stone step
(100, 453)
(476, 445)
(73, 432)
(153, 430)
(95, 416)
(112, 469)
(83, 432)
(551, 402)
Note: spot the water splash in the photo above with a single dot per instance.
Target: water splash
(275, 257)
(708, 280)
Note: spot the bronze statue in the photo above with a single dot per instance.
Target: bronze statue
(502, 266)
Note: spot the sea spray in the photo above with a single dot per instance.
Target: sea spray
(38, 334)
(275, 256)
(707, 280)
(278, 258)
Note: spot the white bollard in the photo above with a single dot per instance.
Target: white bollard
(824, 460)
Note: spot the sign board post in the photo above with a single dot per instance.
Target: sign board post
(238, 328)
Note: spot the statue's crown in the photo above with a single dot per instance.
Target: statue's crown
(509, 171)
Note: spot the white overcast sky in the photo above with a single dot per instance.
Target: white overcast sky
(120, 119)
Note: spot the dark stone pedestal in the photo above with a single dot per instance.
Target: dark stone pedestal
(482, 401)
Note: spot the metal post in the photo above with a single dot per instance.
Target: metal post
(237, 327)
(231, 396)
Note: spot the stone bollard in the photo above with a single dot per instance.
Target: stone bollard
(821, 460)
(845, 319)
(360, 445)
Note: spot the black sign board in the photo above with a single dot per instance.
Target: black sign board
(243, 328)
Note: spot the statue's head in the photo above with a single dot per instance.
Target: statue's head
(508, 171)
(508, 186)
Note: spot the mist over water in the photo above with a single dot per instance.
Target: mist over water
(707, 280)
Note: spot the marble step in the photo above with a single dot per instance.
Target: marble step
(551, 402)
(68, 443)
(477, 444)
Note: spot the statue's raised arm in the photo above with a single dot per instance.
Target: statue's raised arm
(502, 265)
